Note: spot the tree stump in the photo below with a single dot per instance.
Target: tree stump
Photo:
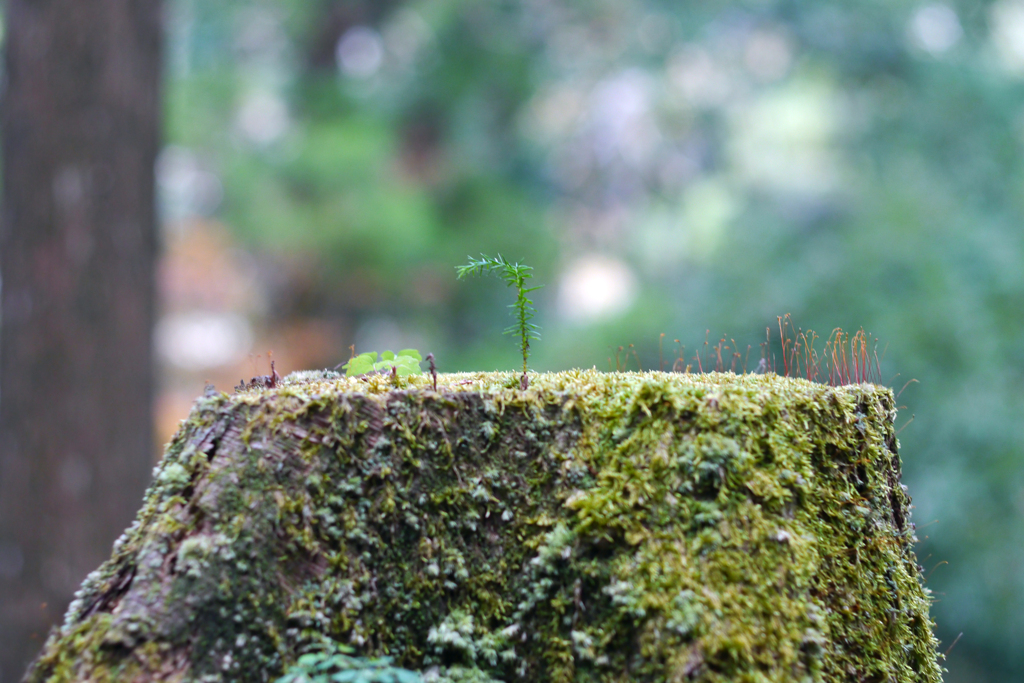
(596, 527)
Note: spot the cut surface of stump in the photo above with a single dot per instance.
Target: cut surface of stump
(596, 527)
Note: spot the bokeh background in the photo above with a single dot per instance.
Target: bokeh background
(666, 167)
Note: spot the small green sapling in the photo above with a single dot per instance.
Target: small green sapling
(514, 275)
(405, 362)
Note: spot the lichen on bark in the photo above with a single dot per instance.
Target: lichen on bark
(597, 527)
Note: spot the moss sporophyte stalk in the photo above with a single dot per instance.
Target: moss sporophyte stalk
(640, 527)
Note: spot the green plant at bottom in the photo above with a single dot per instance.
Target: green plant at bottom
(335, 664)
(514, 275)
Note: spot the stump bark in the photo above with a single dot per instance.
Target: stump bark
(596, 527)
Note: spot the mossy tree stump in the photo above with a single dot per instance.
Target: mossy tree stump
(596, 527)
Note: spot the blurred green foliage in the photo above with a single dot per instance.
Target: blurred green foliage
(854, 163)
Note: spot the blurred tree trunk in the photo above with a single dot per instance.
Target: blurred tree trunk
(77, 249)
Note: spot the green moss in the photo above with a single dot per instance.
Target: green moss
(597, 527)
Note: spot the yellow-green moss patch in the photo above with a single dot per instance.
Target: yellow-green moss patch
(596, 527)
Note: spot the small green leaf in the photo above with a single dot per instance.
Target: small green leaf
(361, 364)
(387, 355)
(339, 661)
(384, 365)
(408, 365)
(411, 353)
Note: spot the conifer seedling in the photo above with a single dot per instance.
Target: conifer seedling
(514, 275)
